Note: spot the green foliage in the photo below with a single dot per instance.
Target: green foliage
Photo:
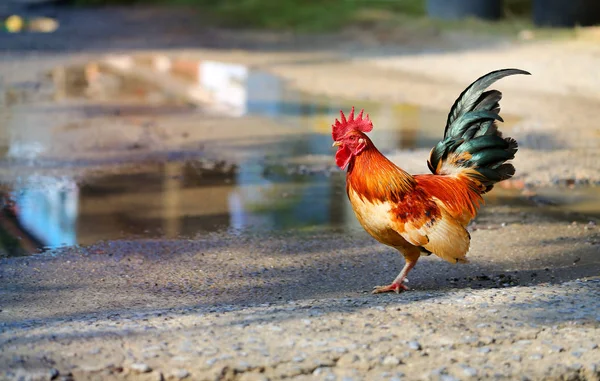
(301, 15)
(519, 8)
(331, 15)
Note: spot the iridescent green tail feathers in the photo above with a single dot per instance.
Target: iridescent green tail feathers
(471, 137)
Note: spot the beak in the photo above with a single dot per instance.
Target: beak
(336, 144)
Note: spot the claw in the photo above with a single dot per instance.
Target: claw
(394, 287)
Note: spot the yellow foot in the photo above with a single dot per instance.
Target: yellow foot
(394, 287)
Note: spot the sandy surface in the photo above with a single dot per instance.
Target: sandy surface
(296, 305)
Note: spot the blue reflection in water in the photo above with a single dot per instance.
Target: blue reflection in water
(48, 210)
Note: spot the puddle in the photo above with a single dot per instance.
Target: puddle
(167, 200)
(182, 199)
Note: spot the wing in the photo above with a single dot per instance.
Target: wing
(423, 221)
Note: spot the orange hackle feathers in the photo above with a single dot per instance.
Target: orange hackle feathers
(391, 182)
(341, 128)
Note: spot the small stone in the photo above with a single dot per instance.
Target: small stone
(318, 371)
(242, 366)
(140, 367)
(53, 373)
(179, 359)
(212, 361)
(447, 377)
(180, 374)
(557, 349)
(484, 350)
(536, 356)
(414, 345)
(470, 372)
(516, 358)
(390, 361)
(298, 359)
(523, 342)
(576, 354)
(577, 366)
(340, 350)
(347, 360)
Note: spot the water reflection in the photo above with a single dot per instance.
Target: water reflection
(49, 210)
(171, 200)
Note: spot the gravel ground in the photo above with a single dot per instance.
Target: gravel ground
(298, 305)
(538, 332)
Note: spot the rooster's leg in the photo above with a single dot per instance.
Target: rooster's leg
(398, 284)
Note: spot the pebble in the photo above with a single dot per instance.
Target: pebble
(447, 377)
(484, 350)
(340, 350)
(414, 345)
(536, 356)
(577, 366)
(242, 366)
(348, 360)
(53, 373)
(211, 362)
(557, 349)
(180, 374)
(140, 367)
(468, 371)
(390, 361)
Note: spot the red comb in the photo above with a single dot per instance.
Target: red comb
(339, 129)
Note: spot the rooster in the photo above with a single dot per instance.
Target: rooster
(428, 214)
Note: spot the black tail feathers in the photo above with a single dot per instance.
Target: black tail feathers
(471, 137)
